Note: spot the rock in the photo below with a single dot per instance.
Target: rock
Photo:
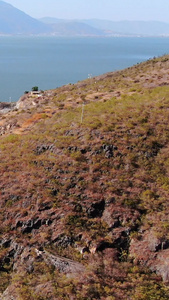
(63, 241)
(5, 243)
(62, 264)
(10, 293)
(19, 223)
(31, 224)
(117, 216)
(108, 149)
(162, 265)
(43, 148)
(102, 245)
(150, 251)
(96, 209)
(45, 206)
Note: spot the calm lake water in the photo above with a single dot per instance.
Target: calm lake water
(49, 62)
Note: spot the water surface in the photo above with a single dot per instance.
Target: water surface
(49, 62)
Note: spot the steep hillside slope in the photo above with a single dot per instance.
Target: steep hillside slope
(84, 189)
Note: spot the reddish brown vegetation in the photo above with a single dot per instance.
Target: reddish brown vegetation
(84, 205)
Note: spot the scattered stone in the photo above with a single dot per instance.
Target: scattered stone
(96, 209)
(63, 241)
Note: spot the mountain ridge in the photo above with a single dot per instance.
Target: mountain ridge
(146, 28)
(14, 21)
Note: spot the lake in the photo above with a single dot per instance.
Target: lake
(49, 62)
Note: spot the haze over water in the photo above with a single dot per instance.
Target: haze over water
(49, 62)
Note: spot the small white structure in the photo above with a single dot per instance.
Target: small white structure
(36, 93)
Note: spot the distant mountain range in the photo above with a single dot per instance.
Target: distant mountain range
(75, 28)
(151, 28)
(124, 28)
(15, 22)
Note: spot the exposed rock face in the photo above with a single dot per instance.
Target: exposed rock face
(161, 265)
(62, 264)
(10, 293)
(6, 107)
(151, 251)
(116, 216)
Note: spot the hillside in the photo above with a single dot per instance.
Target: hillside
(84, 189)
(14, 21)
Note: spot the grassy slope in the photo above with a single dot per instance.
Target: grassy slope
(57, 169)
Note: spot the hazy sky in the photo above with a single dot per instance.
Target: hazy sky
(102, 9)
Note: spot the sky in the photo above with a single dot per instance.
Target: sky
(116, 10)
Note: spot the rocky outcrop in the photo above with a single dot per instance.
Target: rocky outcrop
(6, 107)
(151, 251)
(10, 293)
(62, 264)
(161, 265)
(26, 226)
